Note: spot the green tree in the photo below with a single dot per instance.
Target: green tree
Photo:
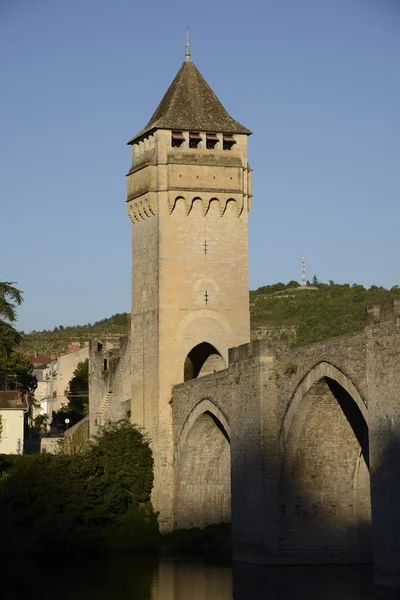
(10, 297)
(16, 373)
(77, 393)
(96, 499)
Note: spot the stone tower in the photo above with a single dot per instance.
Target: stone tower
(189, 193)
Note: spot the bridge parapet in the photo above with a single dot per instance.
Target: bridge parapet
(381, 313)
(256, 349)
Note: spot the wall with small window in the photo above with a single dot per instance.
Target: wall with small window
(207, 140)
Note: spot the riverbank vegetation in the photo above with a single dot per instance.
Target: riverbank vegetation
(98, 499)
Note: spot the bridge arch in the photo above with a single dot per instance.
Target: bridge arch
(324, 482)
(204, 406)
(203, 469)
(318, 372)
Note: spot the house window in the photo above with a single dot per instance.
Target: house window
(211, 141)
(105, 364)
(99, 347)
(177, 138)
(228, 142)
(194, 139)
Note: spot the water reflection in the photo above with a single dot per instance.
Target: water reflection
(192, 580)
(125, 577)
(302, 583)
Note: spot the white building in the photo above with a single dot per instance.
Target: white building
(12, 411)
(54, 376)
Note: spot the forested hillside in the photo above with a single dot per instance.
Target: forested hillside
(282, 312)
(56, 340)
(319, 311)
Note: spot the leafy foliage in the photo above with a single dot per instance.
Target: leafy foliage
(10, 296)
(16, 372)
(315, 313)
(98, 499)
(213, 541)
(77, 393)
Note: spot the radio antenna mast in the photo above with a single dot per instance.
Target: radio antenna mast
(303, 273)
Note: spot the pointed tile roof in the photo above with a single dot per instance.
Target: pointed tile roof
(190, 105)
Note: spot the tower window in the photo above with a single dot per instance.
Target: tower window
(194, 139)
(177, 138)
(228, 142)
(211, 141)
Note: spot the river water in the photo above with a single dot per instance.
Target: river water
(125, 577)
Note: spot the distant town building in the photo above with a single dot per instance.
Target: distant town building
(12, 408)
(53, 375)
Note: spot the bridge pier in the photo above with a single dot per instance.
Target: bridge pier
(383, 367)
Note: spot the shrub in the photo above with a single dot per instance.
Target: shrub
(98, 499)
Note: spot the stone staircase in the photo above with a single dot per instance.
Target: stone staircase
(118, 384)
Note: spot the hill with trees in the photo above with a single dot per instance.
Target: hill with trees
(285, 313)
(302, 315)
(57, 340)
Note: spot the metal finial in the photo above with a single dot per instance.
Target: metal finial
(187, 55)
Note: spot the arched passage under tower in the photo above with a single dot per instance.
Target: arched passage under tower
(202, 360)
(203, 470)
(325, 483)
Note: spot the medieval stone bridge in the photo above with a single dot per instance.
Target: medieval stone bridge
(297, 446)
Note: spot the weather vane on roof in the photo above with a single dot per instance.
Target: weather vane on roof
(187, 55)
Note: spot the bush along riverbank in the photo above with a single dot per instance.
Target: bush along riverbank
(211, 543)
(97, 499)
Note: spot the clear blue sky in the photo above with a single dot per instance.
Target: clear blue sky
(318, 81)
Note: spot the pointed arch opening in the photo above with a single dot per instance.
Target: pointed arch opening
(325, 483)
(203, 471)
(203, 359)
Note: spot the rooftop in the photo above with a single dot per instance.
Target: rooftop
(190, 105)
(11, 399)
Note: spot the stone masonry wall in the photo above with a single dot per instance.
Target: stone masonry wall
(300, 494)
(109, 380)
(189, 210)
(383, 360)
